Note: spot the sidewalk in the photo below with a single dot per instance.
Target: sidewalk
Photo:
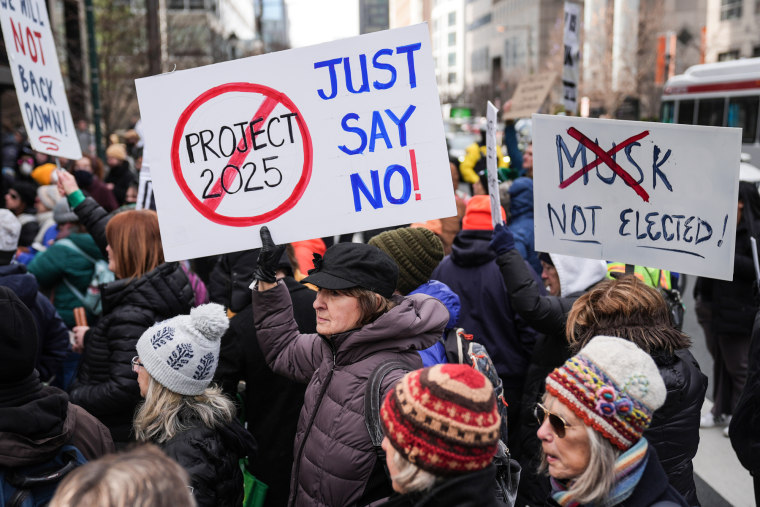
(716, 465)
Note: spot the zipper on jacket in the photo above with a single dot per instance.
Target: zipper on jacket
(322, 391)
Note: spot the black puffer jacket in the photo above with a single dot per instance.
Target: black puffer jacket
(674, 431)
(468, 490)
(210, 457)
(745, 423)
(733, 305)
(95, 218)
(106, 386)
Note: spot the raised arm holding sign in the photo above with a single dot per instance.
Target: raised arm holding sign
(335, 138)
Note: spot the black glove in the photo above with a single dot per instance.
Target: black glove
(502, 240)
(269, 257)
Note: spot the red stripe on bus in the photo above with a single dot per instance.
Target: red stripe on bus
(715, 87)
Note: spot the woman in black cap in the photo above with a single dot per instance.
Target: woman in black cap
(360, 325)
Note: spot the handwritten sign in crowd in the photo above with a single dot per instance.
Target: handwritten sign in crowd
(642, 193)
(329, 139)
(37, 76)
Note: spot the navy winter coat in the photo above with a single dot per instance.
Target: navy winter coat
(486, 312)
(52, 333)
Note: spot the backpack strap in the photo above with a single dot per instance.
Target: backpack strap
(66, 242)
(73, 246)
(372, 401)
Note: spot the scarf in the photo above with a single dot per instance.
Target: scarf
(629, 467)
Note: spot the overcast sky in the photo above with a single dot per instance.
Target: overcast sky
(316, 21)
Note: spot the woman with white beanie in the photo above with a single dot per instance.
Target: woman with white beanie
(596, 408)
(192, 421)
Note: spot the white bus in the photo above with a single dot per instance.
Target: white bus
(723, 94)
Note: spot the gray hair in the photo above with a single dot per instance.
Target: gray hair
(411, 478)
(596, 482)
(164, 413)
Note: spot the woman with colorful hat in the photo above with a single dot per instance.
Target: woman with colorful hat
(360, 325)
(596, 408)
(441, 432)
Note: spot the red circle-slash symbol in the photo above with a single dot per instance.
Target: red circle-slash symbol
(208, 207)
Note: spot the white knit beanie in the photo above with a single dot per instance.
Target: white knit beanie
(182, 353)
(613, 385)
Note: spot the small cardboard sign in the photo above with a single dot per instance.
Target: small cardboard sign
(651, 194)
(530, 95)
(329, 139)
(39, 87)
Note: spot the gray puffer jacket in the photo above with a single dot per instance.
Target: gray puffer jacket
(334, 461)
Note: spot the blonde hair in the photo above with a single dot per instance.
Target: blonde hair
(141, 477)
(410, 477)
(135, 242)
(627, 308)
(166, 413)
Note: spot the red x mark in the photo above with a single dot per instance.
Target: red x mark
(606, 158)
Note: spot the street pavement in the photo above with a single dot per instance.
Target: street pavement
(721, 480)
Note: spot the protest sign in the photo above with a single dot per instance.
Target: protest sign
(652, 194)
(39, 87)
(145, 190)
(530, 95)
(491, 165)
(572, 59)
(329, 139)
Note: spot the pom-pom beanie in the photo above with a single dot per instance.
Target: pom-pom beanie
(612, 385)
(182, 353)
(443, 419)
(416, 250)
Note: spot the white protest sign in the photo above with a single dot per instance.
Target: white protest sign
(652, 194)
(37, 76)
(571, 65)
(491, 166)
(323, 140)
(144, 189)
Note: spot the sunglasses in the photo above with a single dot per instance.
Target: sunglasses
(136, 362)
(558, 423)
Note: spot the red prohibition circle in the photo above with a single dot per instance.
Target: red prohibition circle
(300, 187)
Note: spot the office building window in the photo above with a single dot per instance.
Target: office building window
(452, 59)
(728, 55)
(730, 9)
(452, 18)
(452, 39)
(452, 77)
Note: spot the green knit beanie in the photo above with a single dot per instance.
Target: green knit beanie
(416, 250)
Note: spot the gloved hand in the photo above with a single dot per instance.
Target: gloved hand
(269, 256)
(502, 240)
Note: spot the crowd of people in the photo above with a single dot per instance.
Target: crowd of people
(253, 378)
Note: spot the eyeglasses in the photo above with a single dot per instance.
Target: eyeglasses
(558, 423)
(136, 362)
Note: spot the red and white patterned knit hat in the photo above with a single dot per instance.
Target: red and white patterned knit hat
(443, 419)
(612, 385)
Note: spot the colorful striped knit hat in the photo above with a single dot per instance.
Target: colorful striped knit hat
(612, 385)
(443, 419)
